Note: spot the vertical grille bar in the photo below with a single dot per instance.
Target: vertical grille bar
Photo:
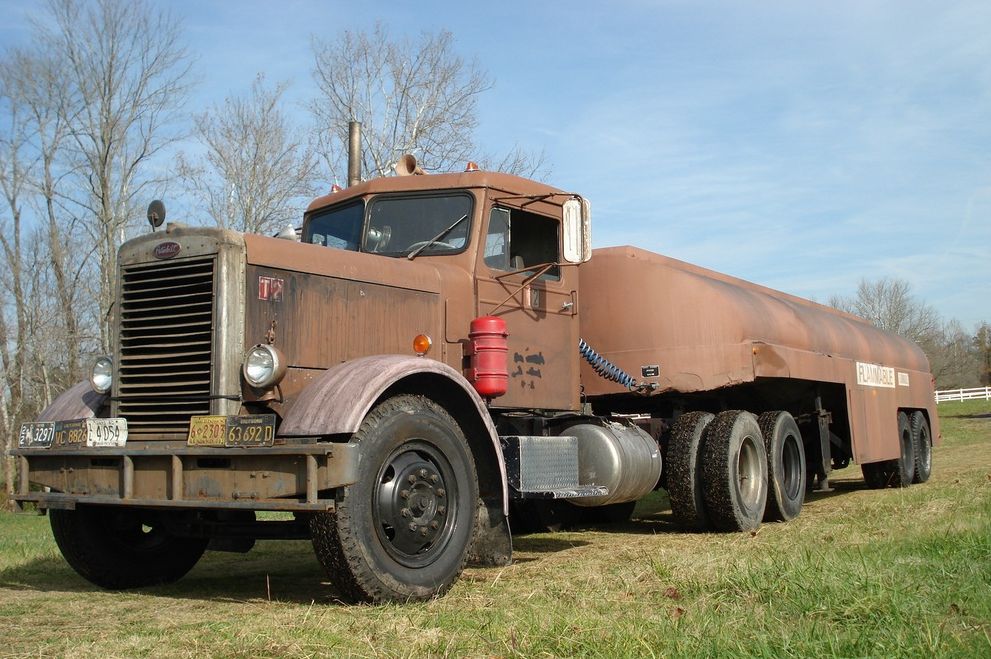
(166, 346)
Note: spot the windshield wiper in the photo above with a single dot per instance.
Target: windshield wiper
(416, 252)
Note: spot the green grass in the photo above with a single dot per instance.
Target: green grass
(859, 573)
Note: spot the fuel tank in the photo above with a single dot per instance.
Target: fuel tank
(620, 456)
(705, 330)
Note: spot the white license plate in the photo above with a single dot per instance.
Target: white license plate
(106, 432)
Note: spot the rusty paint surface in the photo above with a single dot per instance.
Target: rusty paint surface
(708, 330)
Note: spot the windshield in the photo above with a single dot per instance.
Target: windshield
(336, 227)
(398, 226)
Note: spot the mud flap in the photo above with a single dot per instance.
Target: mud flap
(493, 545)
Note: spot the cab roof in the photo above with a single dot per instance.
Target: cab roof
(515, 185)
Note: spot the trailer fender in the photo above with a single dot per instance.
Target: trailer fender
(77, 402)
(338, 400)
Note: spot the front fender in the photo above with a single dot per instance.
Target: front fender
(339, 399)
(77, 402)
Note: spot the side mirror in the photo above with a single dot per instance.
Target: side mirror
(577, 230)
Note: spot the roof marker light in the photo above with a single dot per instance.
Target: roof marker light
(472, 166)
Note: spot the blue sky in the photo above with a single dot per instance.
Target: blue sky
(801, 145)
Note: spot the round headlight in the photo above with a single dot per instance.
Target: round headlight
(263, 366)
(102, 377)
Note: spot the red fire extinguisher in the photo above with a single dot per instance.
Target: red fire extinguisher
(488, 348)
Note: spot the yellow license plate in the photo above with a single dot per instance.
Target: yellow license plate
(245, 430)
(207, 431)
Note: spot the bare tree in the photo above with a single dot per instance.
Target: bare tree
(126, 76)
(982, 346)
(411, 97)
(888, 303)
(256, 169)
(14, 169)
(952, 358)
(35, 84)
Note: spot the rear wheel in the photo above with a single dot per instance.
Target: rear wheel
(904, 468)
(403, 530)
(734, 472)
(922, 441)
(683, 470)
(123, 548)
(898, 472)
(785, 466)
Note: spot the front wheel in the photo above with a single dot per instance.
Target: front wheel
(123, 548)
(403, 530)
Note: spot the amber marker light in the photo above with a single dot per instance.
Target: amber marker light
(421, 344)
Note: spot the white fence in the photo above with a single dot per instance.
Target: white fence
(978, 393)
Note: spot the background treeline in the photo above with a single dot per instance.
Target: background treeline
(95, 122)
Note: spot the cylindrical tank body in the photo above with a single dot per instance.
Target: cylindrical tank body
(624, 458)
(705, 329)
(489, 349)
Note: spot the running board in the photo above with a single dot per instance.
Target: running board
(539, 467)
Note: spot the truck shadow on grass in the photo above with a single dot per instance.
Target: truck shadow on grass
(282, 571)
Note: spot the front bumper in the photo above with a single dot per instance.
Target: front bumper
(289, 477)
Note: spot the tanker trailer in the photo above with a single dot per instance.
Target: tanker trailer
(736, 381)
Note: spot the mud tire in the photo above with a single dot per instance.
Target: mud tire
(922, 441)
(683, 470)
(785, 466)
(366, 545)
(118, 549)
(898, 472)
(734, 472)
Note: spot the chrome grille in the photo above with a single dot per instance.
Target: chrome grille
(165, 342)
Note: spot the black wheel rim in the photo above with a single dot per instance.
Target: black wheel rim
(414, 504)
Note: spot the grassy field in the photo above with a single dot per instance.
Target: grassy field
(860, 573)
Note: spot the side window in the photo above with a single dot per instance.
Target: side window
(518, 240)
(338, 227)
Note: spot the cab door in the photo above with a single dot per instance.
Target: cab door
(519, 279)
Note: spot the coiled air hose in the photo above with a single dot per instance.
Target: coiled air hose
(604, 367)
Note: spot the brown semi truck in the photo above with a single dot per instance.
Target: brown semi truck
(433, 359)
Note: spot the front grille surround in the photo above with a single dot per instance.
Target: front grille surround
(179, 332)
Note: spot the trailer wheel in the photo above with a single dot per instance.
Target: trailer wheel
(898, 472)
(785, 466)
(877, 474)
(922, 441)
(403, 530)
(905, 465)
(734, 472)
(118, 549)
(683, 469)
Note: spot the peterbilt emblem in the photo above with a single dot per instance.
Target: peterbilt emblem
(166, 250)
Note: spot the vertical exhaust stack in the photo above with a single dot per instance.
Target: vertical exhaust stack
(354, 153)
